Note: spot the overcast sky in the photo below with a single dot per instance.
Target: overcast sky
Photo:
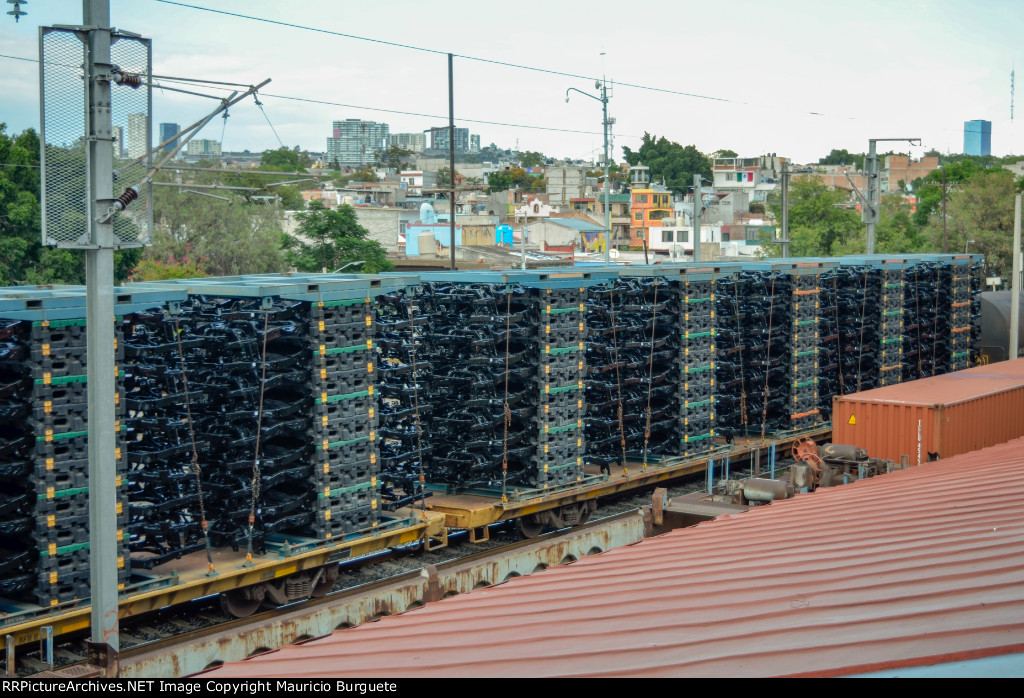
(791, 77)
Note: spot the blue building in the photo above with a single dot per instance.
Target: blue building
(977, 137)
(169, 131)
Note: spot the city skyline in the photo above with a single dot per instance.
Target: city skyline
(798, 80)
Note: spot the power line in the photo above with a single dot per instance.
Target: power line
(478, 59)
(386, 111)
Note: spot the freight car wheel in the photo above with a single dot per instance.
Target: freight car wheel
(242, 603)
(325, 581)
(530, 526)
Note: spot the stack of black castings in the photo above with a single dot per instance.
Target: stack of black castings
(405, 398)
(633, 360)
(44, 461)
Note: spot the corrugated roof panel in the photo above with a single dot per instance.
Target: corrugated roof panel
(922, 566)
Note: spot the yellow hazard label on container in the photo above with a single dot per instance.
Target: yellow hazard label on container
(373, 503)
(51, 521)
(327, 515)
(46, 379)
(120, 563)
(327, 491)
(53, 548)
(327, 468)
(320, 325)
(53, 577)
(369, 320)
(323, 350)
(853, 420)
(49, 464)
(369, 390)
(369, 367)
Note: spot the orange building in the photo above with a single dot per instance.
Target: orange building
(649, 204)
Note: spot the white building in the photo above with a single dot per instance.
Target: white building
(138, 135)
(416, 142)
(354, 142)
(755, 176)
(203, 148)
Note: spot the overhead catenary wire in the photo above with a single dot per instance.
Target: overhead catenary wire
(478, 59)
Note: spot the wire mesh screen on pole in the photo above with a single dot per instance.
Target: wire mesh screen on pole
(64, 154)
(63, 129)
(133, 104)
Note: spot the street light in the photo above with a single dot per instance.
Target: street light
(344, 266)
(603, 99)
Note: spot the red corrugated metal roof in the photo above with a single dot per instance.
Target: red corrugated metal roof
(918, 567)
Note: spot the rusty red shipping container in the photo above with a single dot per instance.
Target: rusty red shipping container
(935, 417)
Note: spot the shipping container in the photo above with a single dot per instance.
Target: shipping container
(935, 417)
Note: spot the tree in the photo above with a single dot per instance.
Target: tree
(23, 258)
(282, 160)
(843, 157)
(531, 159)
(393, 158)
(980, 218)
(727, 154)
(818, 223)
(670, 162)
(223, 237)
(331, 238)
(513, 178)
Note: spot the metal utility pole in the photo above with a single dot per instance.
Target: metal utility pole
(1015, 282)
(871, 214)
(606, 128)
(99, 278)
(697, 203)
(784, 241)
(451, 161)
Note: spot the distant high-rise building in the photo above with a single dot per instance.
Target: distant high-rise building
(354, 142)
(439, 139)
(138, 135)
(203, 148)
(474, 142)
(169, 131)
(416, 142)
(118, 141)
(977, 137)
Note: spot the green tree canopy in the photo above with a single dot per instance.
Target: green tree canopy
(819, 225)
(222, 234)
(843, 157)
(23, 259)
(670, 161)
(980, 218)
(531, 159)
(282, 160)
(331, 238)
(514, 178)
(394, 157)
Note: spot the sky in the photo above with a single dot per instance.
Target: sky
(795, 78)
